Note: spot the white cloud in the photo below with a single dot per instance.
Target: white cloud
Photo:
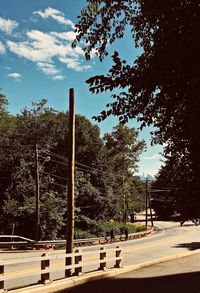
(74, 64)
(15, 75)
(46, 48)
(48, 68)
(2, 48)
(55, 14)
(68, 36)
(58, 77)
(7, 25)
(154, 157)
(24, 49)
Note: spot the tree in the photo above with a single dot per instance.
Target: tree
(19, 136)
(49, 129)
(97, 171)
(123, 150)
(162, 86)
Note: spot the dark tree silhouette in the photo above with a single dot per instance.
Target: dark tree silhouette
(162, 87)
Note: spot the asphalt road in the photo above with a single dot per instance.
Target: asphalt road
(171, 239)
(180, 276)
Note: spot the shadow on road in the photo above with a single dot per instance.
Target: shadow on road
(189, 246)
(180, 283)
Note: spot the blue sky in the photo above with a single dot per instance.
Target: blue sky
(37, 62)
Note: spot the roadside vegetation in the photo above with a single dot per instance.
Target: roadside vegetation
(105, 186)
(104, 228)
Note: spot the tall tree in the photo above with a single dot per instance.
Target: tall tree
(162, 86)
(49, 129)
(123, 151)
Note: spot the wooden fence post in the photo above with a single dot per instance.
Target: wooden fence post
(68, 262)
(118, 263)
(102, 257)
(45, 277)
(1, 275)
(78, 260)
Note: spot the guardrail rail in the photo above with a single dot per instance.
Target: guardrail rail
(47, 266)
(77, 242)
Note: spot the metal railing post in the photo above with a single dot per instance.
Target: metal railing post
(102, 257)
(118, 263)
(45, 277)
(2, 289)
(78, 260)
(68, 262)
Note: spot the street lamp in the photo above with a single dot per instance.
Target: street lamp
(47, 159)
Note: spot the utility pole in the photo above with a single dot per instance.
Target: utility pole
(124, 200)
(146, 202)
(70, 199)
(150, 208)
(37, 196)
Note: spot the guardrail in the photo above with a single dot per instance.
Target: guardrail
(45, 265)
(77, 242)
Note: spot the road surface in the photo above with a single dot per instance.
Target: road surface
(180, 276)
(171, 239)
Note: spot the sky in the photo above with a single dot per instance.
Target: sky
(37, 62)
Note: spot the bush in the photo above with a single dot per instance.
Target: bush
(118, 227)
(79, 234)
(103, 229)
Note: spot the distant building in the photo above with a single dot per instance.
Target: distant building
(144, 177)
(149, 177)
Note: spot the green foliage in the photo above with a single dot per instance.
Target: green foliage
(119, 228)
(161, 87)
(80, 234)
(104, 228)
(96, 173)
(123, 150)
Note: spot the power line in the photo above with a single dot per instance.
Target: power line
(97, 170)
(86, 167)
(80, 164)
(61, 185)
(52, 160)
(86, 207)
(54, 175)
(54, 154)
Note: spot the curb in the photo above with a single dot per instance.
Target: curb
(59, 285)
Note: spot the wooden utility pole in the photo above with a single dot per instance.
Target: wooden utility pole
(124, 200)
(146, 202)
(37, 196)
(150, 208)
(70, 199)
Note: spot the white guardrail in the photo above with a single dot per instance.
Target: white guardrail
(44, 266)
(77, 242)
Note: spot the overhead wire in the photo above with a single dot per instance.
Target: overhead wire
(53, 154)
(80, 164)
(52, 160)
(86, 168)
(54, 175)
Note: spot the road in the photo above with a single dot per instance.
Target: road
(171, 239)
(182, 276)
